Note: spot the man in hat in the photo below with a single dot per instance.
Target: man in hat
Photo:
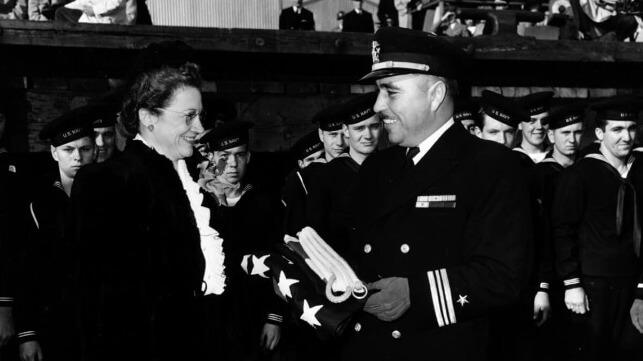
(249, 218)
(435, 267)
(104, 130)
(43, 318)
(296, 17)
(307, 150)
(330, 132)
(467, 113)
(358, 20)
(533, 333)
(328, 209)
(597, 237)
(499, 119)
(533, 146)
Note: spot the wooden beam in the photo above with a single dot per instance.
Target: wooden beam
(107, 50)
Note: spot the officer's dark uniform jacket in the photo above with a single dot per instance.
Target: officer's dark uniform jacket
(329, 209)
(140, 265)
(290, 20)
(358, 23)
(252, 225)
(295, 196)
(44, 293)
(457, 225)
(593, 222)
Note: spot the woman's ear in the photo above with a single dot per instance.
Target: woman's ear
(146, 117)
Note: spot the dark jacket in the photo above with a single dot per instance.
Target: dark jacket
(140, 265)
(329, 209)
(20, 175)
(251, 226)
(44, 294)
(542, 178)
(290, 20)
(457, 225)
(358, 23)
(584, 215)
(295, 196)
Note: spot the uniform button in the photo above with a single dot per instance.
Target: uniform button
(396, 334)
(367, 248)
(405, 248)
(358, 327)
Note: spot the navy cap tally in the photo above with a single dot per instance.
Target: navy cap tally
(359, 109)
(330, 118)
(227, 135)
(466, 109)
(536, 103)
(503, 109)
(619, 108)
(307, 145)
(71, 126)
(566, 115)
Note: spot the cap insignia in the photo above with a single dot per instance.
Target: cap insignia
(376, 52)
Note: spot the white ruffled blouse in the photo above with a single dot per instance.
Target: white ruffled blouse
(211, 244)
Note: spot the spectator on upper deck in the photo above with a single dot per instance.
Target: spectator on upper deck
(44, 10)
(296, 17)
(13, 9)
(122, 12)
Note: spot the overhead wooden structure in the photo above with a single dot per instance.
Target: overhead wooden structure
(60, 50)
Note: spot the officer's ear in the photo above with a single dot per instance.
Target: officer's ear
(53, 153)
(437, 93)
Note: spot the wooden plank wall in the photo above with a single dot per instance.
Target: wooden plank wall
(245, 14)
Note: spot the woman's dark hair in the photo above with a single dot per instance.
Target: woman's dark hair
(153, 89)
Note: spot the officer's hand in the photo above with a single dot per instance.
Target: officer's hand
(636, 312)
(576, 300)
(6, 325)
(270, 336)
(542, 307)
(391, 301)
(30, 351)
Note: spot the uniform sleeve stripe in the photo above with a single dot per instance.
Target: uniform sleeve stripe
(275, 317)
(434, 297)
(33, 215)
(26, 334)
(449, 298)
(640, 285)
(442, 304)
(302, 183)
(572, 281)
(544, 285)
(6, 299)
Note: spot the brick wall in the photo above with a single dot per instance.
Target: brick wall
(281, 111)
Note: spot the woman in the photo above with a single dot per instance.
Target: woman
(146, 254)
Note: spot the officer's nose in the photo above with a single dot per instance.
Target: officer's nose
(379, 103)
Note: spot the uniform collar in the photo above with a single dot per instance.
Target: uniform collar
(428, 143)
